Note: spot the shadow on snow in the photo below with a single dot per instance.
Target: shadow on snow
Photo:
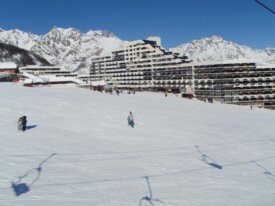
(20, 186)
(208, 160)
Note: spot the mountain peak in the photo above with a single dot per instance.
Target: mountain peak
(216, 48)
(103, 33)
(210, 40)
(64, 30)
(216, 37)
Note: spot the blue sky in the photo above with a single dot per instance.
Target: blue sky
(176, 21)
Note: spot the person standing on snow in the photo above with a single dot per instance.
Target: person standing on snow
(131, 119)
(22, 123)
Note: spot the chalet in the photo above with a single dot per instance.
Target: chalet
(8, 71)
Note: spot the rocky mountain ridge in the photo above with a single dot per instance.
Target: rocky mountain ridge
(73, 50)
(68, 48)
(215, 48)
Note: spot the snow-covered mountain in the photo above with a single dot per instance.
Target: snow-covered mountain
(68, 48)
(22, 57)
(73, 50)
(216, 48)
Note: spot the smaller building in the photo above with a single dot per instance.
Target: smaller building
(8, 71)
(37, 70)
(35, 75)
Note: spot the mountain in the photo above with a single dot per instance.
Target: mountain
(73, 50)
(68, 48)
(215, 48)
(22, 57)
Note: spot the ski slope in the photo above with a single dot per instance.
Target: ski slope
(79, 150)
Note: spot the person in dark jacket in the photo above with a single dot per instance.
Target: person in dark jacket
(22, 123)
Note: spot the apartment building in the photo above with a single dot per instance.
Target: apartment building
(236, 82)
(143, 64)
(146, 65)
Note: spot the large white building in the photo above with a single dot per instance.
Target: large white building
(237, 82)
(145, 64)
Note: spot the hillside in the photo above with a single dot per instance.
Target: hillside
(79, 150)
(22, 57)
(215, 48)
(68, 48)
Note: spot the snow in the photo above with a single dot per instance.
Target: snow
(65, 47)
(90, 156)
(7, 65)
(215, 48)
(73, 50)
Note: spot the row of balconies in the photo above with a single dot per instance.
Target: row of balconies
(236, 84)
(220, 66)
(223, 76)
(234, 90)
(234, 70)
(238, 80)
(260, 97)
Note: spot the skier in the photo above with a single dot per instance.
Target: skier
(131, 119)
(22, 123)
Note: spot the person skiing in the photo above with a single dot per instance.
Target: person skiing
(22, 123)
(131, 119)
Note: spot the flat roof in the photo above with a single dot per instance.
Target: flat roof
(37, 66)
(238, 61)
(266, 65)
(8, 65)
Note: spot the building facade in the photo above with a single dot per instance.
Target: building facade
(143, 64)
(239, 82)
(146, 65)
(37, 70)
(33, 75)
(8, 71)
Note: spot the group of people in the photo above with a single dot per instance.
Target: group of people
(22, 123)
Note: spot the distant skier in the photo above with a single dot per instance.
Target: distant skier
(22, 123)
(131, 119)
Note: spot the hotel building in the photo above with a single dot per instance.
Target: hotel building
(146, 65)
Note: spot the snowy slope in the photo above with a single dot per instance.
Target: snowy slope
(22, 57)
(101, 161)
(215, 48)
(68, 48)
